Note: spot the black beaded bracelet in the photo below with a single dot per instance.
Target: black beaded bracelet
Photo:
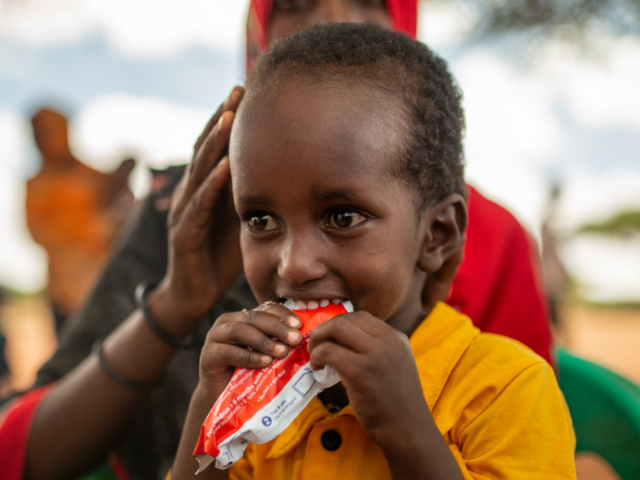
(141, 300)
(115, 376)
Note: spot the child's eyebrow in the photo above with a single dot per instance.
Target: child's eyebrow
(335, 195)
(258, 200)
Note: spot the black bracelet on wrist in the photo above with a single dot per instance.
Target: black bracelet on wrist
(141, 300)
(115, 376)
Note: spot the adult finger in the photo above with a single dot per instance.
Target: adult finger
(191, 223)
(231, 103)
(212, 150)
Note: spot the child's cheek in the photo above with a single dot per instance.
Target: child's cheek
(256, 268)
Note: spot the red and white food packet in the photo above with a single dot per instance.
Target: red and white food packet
(259, 404)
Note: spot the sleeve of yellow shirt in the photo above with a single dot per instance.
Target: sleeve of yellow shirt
(524, 433)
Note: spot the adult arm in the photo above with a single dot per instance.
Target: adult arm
(83, 417)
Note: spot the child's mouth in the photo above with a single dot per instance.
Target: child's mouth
(299, 304)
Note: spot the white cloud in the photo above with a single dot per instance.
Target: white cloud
(601, 90)
(45, 21)
(156, 131)
(22, 262)
(590, 197)
(134, 27)
(445, 23)
(607, 269)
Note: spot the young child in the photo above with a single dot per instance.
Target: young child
(346, 160)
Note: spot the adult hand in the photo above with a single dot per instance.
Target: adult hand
(204, 249)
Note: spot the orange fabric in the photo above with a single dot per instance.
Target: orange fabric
(65, 215)
(496, 403)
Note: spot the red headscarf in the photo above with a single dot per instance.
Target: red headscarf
(498, 284)
(403, 13)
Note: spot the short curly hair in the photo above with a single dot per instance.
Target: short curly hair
(433, 156)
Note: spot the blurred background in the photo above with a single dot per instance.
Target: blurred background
(95, 95)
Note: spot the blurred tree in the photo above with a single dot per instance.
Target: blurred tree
(617, 17)
(574, 20)
(622, 224)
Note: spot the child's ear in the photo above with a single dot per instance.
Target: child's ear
(443, 230)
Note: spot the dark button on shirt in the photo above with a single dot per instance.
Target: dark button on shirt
(331, 440)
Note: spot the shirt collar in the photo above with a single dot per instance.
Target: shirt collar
(437, 344)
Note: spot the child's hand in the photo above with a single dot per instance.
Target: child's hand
(378, 370)
(204, 250)
(267, 330)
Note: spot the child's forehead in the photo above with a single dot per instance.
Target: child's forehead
(331, 112)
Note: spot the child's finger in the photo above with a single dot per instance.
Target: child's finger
(234, 356)
(282, 312)
(240, 333)
(272, 326)
(340, 358)
(341, 331)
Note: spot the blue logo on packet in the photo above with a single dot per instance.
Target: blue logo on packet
(266, 421)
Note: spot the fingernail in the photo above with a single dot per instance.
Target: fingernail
(221, 121)
(280, 349)
(294, 322)
(265, 359)
(293, 337)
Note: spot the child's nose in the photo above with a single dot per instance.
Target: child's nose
(300, 259)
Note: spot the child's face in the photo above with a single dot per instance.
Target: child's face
(323, 216)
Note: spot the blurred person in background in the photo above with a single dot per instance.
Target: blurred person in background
(79, 413)
(556, 278)
(4, 366)
(74, 213)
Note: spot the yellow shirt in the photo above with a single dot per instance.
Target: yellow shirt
(496, 403)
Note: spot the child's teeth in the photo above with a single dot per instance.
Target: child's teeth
(312, 305)
(324, 303)
(300, 305)
(291, 304)
(335, 301)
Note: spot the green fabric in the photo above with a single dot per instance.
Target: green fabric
(605, 409)
(101, 473)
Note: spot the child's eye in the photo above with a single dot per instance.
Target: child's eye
(263, 223)
(345, 219)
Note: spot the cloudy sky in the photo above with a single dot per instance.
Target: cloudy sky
(140, 77)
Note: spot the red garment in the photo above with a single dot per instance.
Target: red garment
(15, 423)
(404, 14)
(498, 283)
